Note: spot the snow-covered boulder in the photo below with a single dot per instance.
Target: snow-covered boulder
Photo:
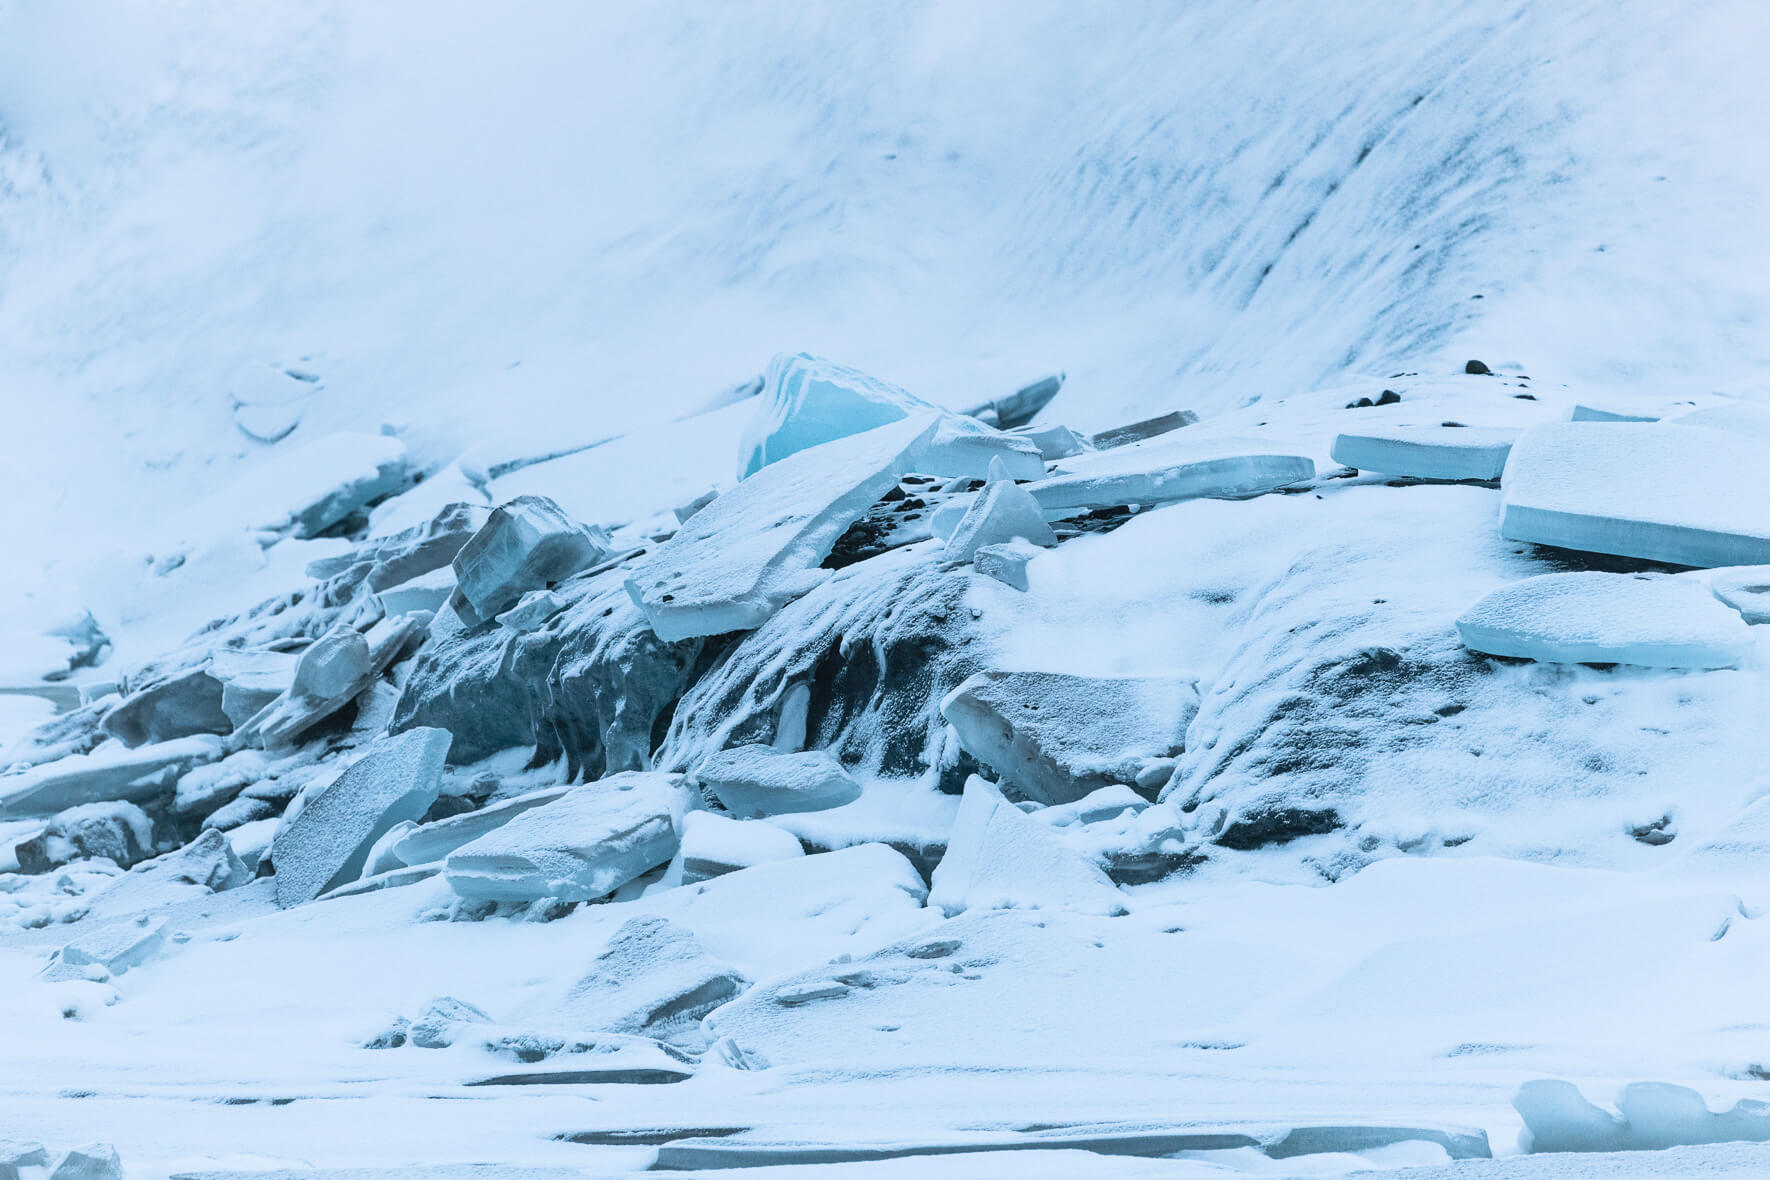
(1190, 469)
(807, 401)
(1681, 494)
(757, 547)
(999, 858)
(757, 780)
(1427, 452)
(526, 544)
(1057, 737)
(1001, 513)
(118, 831)
(713, 845)
(325, 843)
(1652, 620)
(652, 979)
(111, 772)
(582, 846)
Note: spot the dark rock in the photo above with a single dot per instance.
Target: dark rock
(1477, 368)
(1264, 825)
(1138, 431)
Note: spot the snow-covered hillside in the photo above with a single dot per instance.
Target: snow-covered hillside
(476, 687)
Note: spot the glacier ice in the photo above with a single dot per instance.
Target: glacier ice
(1169, 471)
(325, 842)
(1651, 620)
(759, 780)
(739, 559)
(1057, 737)
(999, 858)
(1686, 495)
(1427, 452)
(808, 401)
(526, 544)
(1002, 512)
(581, 846)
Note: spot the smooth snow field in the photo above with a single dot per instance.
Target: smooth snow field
(946, 589)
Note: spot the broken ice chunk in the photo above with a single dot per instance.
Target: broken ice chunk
(1003, 511)
(757, 547)
(1021, 406)
(435, 840)
(120, 832)
(653, 979)
(584, 845)
(1428, 452)
(1746, 589)
(754, 781)
(442, 1020)
(1138, 431)
(807, 401)
(95, 1161)
(1221, 468)
(1652, 1116)
(999, 858)
(1006, 563)
(1653, 620)
(1055, 441)
(206, 865)
(327, 841)
(532, 611)
(303, 492)
(180, 706)
(1680, 494)
(1057, 737)
(713, 845)
(426, 592)
(110, 772)
(115, 948)
(527, 544)
(250, 680)
(330, 674)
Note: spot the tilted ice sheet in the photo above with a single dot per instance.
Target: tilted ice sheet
(1652, 620)
(1681, 494)
(1427, 452)
(1171, 469)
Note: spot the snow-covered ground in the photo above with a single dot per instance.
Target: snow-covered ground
(279, 282)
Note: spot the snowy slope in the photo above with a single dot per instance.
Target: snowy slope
(473, 220)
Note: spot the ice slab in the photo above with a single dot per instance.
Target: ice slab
(1585, 413)
(1058, 737)
(757, 780)
(1680, 494)
(206, 865)
(435, 840)
(739, 559)
(582, 846)
(1120, 436)
(1190, 469)
(652, 979)
(1651, 1116)
(330, 674)
(713, 845)
(1006, 563)
(999, 858)
(179, 706)
(1002, 512)
(1746, 589)
(1021, 406)
(325, 843)
(1652, 620)
(808, 401)
(1428, 452)
(114, 948)
(108, 773)
(1055, 441)
(526, 544)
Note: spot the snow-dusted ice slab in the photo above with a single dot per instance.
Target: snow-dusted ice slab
(1428, 452)
(327, 842)
(1653, 620)
(1680, 494)
(1746, 589)
(525, 545)
(108, 773)
(808, 401)
(713, 845)
(1163, 472)
(587, 844)
(739, 559)
(756, 780)
(1002, 512)
(999, 858)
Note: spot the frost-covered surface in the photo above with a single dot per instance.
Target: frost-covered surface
(279, 291)
(1651, 620)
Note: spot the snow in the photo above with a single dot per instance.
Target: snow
(1682, 494)
(1746, 589)
(583, 845)
(1650, 620)
(713, 845)
(1428, 452)
(997, 858)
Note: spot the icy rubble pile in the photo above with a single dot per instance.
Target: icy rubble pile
(975, 665)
